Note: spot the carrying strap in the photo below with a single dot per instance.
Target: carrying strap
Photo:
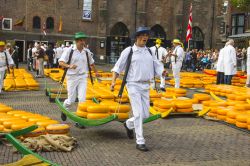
(90, 74)
(124, 80)
(156, 52)
(66, 69)
(7, 62)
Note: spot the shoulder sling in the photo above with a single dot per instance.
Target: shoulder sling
(90, 74)
(66, 69)
(7, 62)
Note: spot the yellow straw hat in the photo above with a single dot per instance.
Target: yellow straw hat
(2, 43)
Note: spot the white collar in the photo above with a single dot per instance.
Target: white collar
(135, 48)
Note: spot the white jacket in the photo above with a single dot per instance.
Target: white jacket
(229, 59)
(248, 60)
(220, 63)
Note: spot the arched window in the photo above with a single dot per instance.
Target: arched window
(197, 38)
(119, 29)
(158, 32)
(36, 22)
(50, 23)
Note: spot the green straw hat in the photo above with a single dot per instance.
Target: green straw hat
(80, 35)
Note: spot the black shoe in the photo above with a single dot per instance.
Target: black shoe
(141, 147)
(130, 133)
(163, 89)
(79, 126)
(63, 117)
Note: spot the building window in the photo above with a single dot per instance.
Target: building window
(50, 23)
(238, 24)
(36, 22)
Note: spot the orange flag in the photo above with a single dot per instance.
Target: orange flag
(60, 25)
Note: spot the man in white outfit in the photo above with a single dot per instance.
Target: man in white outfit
(248, 66)
(161, 54)
(58, 54)
(176, 61)
(141, 72)
(77, 71)
(230, 62)
(220, 66)
(5, 59)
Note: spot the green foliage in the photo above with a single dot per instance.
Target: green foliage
(241, 4)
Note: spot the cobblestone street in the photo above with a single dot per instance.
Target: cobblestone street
(172, 141)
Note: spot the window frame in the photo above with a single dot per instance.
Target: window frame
(33, 22)
(235, 27)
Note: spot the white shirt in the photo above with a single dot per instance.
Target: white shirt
(180, 54)
(3, 65)
(248, 54)
(34, 50)
(59, 52)
(220, 63)
(143, 65)
(230, 60)
(79, 59)
(162, 52)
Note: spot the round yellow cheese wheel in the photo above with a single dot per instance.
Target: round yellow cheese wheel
(232, 114)
(184, 110)
(45, 123)
(1, 127)
(119, 109)
(211, 114)
(39, 131)
(7, 124)
(83, 106)
(57, 129)
(242, 118)
(241, 98)
(221, 117)
(183, 104)
(98, 109)
(5, 109)
(28, 116)
(20, 126)
(37, 119)
(208, 102)
(222, 111)
(241, 125)
(16, 112)
(6, 118)
(218, 104)
(179, 90)
(160, 109)
(230, 120)
(122, 115)
(97, 115)
(202, 97)
(81, 113)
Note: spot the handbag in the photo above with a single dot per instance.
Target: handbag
(46, 57)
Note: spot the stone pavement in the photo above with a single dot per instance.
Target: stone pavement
(172, 141)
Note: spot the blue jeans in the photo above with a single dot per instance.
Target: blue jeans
(228, 79)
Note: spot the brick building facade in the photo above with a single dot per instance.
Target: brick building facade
(113, 22)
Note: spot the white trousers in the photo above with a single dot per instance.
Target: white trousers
(139, 99)
(176, 67)
(41, 67)
(1, 79)
(76, 85)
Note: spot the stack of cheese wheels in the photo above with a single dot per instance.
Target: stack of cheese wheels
(242, 82)
(236, 81)
(231, 116)
(154, 95)
(57, 129)
(241, 120)
(44, 123)
(4, 108)
(213, 112)
(82, 108)
(124, 98)
(98, 111)
(248, 122)
(121, 110)
(178, 92)
(222, 113)
(201, 97)
(183, 106)
(163, 105)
